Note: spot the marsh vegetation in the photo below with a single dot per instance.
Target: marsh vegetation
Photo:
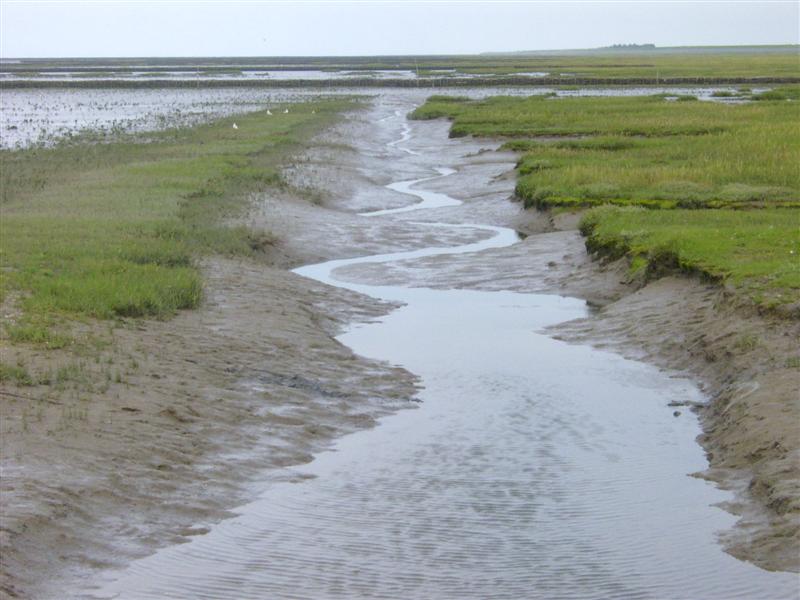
(658, 153)
(110, 230)
(642, 65)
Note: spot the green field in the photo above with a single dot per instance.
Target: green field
(609, 65)
(711, 61)
(661, 153)
(114, 229)
(757, 251)
(654, 64)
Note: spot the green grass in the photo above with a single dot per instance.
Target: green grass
(650, 65)
(659, 63)
(695, 161)
(648, 151)
(782, 93)
(113, 229)
(757, 251)
(17, 374)
(37, 331)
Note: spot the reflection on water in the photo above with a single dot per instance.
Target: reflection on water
(44, 116)
(200, 75)
(532, 469)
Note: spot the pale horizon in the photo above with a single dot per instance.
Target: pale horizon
(487, 52)
(71, 29)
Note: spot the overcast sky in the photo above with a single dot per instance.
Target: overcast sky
(168, 28)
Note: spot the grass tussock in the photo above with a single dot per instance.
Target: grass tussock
(113, 230)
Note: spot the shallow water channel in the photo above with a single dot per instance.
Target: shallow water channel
(531, 469)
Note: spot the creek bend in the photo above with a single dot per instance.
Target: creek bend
(531, 469)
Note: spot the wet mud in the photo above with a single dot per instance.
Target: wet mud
(230, 398)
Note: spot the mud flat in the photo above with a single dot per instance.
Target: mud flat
(219, 396)
(743, 360)
(226, 399)
(199, 411)
(45, 116)
(525, 451)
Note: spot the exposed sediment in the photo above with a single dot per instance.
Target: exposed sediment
(216, 400)
(251, 382)
(751, 423)
(744, 361)
(184, 416)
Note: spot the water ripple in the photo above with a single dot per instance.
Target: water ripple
(533, 469)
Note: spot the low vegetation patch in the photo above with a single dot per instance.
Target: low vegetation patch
(15, 374)
(640, 63)
(646, 151)
(113, 229)
(693, 160)
(757, 251)
(608, 63)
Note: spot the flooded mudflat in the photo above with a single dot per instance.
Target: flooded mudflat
(200, 75)
(531, 468)
(45, 116)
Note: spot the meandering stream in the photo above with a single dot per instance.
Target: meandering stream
(531, 469)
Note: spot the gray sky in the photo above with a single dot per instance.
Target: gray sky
(169, 28)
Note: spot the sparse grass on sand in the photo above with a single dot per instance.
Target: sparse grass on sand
(659, 153)
(113, 229)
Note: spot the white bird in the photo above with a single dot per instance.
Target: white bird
(286, 111)
(269, 112)
(235, 126)
(313, 112)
